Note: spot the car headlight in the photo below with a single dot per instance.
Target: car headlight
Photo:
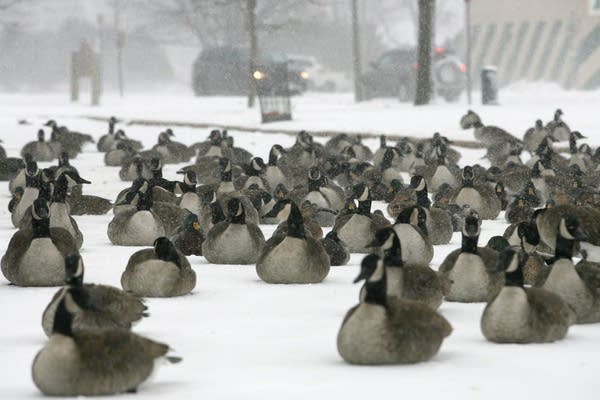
(304, 75)
(258, 75)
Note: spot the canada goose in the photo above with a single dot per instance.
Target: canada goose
(534, 136)
(469, 274)
(325, 196)
(273, 173)
(91, 363)
(122, 154)
(488, 135)
(171, 152)
(308, 212)
(439, 172)
(10, 168)
(84, 204)
(574, 286)
(35, 255)
(294, 257)
(518, 210)
(40, 150)
(101, 306)
(548, 222)
(189, 200)
(336, 249)
(388, 171)
(524, 315)
(212, 147)
(19, 179)
(411, 226)
(235, 240)
(254, 175)
(384, 329)
(237, 155)
(158, 272)
(439, 222)
(404, 280)
(226, 184)
(357, 229)
(59, 209)
(480, 198)
(30, 193)
(70, 141)
(162, 189)
(137, 225)
(121, 137)
(558, 129)
(189, 238)
(576, 158)
(535, 270)
(135, 168)
(106, 141)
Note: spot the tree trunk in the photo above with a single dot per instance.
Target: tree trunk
(251, 20)
(119, 43)
(426, 29)
(356, 56)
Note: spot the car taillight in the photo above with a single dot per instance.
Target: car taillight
(415, 66)
(463, 68)
(439, 50)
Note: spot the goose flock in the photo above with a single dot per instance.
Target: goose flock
(394, 205)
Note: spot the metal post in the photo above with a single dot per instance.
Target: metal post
(468, 57)
(356, 59)
(251, 21)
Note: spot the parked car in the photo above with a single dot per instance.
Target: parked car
(313, 76)
(394, 75)
(224, 71)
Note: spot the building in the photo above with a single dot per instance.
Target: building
(538, 40)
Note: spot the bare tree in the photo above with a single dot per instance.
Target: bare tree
(424, 82)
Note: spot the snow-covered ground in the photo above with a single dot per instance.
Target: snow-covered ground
(242, 338)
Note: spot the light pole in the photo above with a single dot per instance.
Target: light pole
(356, 56)
(468, 40)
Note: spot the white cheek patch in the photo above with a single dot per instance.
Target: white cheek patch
(564, 232)
(514, 264)
(365, 194)
(378, 273)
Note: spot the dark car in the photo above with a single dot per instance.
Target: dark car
(225, 71)
(394, 75)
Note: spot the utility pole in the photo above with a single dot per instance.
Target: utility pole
(251, 21)
(426, 22)
(468, 39)
(356, 54)
(119, 42)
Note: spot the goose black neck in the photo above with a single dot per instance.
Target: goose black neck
(272, 159)
(469, 244)
(477, 124)
(572, 145)
(45, 191)
(226, 176)
(185, 188)
(217, 213)
(238, 219)
(423, 199)
(146, 201)
(111, 127)
(392, 257)
(376, 292)
(40, 228)
(168, 253)
(563, 248)
(295, 223)
(62, 320)
(515, 278)
(157, 173)
(313, 185)
(364, 207)
(60, 190)
(32, 181)
(468, 182)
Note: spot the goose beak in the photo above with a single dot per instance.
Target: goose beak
(196, 226)
(82, 181)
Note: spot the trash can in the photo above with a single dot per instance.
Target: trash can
(489, 85)
(274, 94)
